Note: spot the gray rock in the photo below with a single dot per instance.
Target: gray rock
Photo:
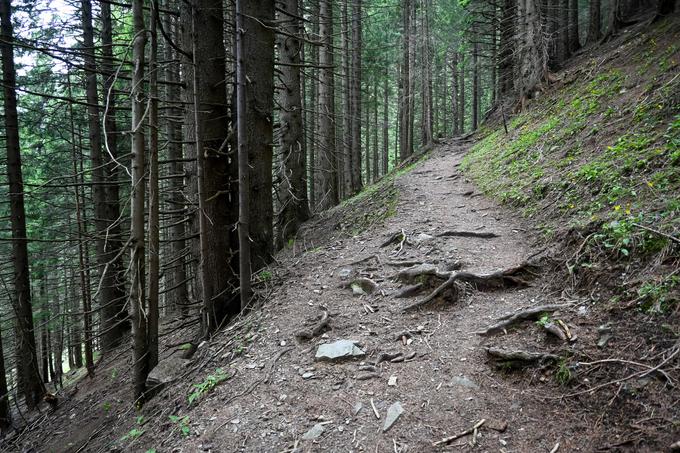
(345, 273)
(338, 350)
(166, 371)
(363, 286)
(314, 433)
(393, 413)
(463, 381)
(307, 375)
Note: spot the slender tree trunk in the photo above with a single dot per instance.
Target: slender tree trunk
(138, 286)
(82, 252)
(426, 86)
(404, 150)
(326, 187)
(357, 45)
(28, 374)
(347, 104)
(5, 414)
(177, 278)
(475, 82)
(154, 210)
(461, 111)
(376, 163)
(313, 149)
(293, 189)
(386, 123)
(454, 94)
(563, 31)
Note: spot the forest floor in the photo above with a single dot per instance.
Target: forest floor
(610, 385)
(273, 393)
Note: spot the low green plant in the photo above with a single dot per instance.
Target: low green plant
(658, 296)
(182, 424)
(106, 406)
(544, 320)
(133, 434)
(209, 383)
(563, 375)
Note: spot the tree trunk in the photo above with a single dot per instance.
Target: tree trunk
(154, 210)
(293, 186)
(137, 264)
(112, 300)
(116, 322)
(376, 163)
(177, 276)
(405, 150)
(28, 374)
(461, 111)
(594, 23)
(386, 123)
(507, 46)
(574, 27)
(454, 94)
(206, 126)
(326, 187)
(475, 82)
(5, 414)
(258, 47)
(347, 77)
(357, 45)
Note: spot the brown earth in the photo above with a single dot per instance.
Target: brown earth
(267, 405)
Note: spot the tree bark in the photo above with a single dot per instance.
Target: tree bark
(5, 414)
(116, 322)
(28, 374)
(386, 123)
(574, 27)
(326, 181)
(293, 186)
(112, 299)
(594, 23)
(357, 45)
(206, 127)
(138, 288)
(454, 93)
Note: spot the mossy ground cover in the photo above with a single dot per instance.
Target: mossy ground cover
(602, 150)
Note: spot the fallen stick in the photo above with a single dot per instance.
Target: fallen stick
(522, 315)
(375, 410)
(450, 439)
(468, 234)
(660, 233)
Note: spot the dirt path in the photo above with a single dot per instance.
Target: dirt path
(446, 388)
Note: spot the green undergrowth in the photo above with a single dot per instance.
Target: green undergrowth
(601, 151)
(374, 204)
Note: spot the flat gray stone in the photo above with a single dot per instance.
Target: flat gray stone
(314, 432)
(393, 413)
(463, 381)
(338, 350)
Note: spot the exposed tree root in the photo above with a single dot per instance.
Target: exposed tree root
(509, 278)
(520, 357)
(523, 315)
(397, 237)
(308, 334)
(469, 234)
(409, 291)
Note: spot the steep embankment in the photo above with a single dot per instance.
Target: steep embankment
(599, 153)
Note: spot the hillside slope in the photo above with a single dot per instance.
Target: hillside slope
(418, 269)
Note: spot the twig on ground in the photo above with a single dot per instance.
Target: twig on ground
(522, 315)
(450, 439)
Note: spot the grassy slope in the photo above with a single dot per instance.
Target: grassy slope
(600, 152)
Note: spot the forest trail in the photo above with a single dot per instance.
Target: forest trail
(279, 392)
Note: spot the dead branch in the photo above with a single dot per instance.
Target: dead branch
(523, 315)
(520, 355)
(450, 439)
(469, 234)
(659, 233)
